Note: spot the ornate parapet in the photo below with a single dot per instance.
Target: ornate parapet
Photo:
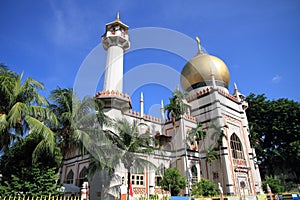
(226, 94)
(117, 94)
(145, 117)
(190, 118)
(139, 191)
(199, 94)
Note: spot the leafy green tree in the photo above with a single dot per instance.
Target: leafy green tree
(204, 188)
(23, 111)
(274, 184)
(22, 175)
(35, 181)
(173, 180)
(275, 132)
(128, 145)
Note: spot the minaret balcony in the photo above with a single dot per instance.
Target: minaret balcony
(117, 38)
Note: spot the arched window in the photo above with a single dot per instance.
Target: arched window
(236, 147)
(194, 174)
(70, 177)
(82, 176)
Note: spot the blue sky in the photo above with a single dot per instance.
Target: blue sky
(259, 41)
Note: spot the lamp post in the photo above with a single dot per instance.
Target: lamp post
(1, 177)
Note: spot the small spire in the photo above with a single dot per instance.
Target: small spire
(235, 87)
(118, 15)
(142, 96)
(236, 92)
(162, 110)
(213, 77)
(199, 46)
(142, 105)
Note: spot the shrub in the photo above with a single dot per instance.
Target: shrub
(204, 188)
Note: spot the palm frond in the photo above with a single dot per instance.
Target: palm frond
(48, 139)
(17, 113)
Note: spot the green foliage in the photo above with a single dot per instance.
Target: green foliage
(76, 119)
(218, 132)
(21, 175)
(211, 154)
(275, 134)
(204, 188)
(196, 134)
(176, 107)
(23, 110)
(275, 185)
(154, 197)
(32, 181)
(129, 141)
(125, 146)
(172, 179)
(142, 198)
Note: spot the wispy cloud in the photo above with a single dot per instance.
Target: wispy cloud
(69, 24)
(276, 79)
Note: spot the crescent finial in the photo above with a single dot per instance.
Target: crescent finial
(199, 46)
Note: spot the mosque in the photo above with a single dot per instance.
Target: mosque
(205, 79)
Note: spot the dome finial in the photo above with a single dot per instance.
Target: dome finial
(199, 46)
(118, 15)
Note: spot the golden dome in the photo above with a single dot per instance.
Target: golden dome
(197, 72)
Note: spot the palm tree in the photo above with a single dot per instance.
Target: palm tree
(130, 144)
(77, 119)
(24, 111)
(211, 154)
(197, 135)
(176, 106)
(218, 134)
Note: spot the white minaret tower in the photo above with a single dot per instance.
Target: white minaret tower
(115, 41)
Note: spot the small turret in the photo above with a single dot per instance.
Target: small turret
(116, 34)
(240, 97)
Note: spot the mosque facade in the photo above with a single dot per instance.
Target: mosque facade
(205, 79)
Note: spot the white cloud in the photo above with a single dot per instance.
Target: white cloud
(276, 79)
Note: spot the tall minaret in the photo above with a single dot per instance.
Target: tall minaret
(115, 41)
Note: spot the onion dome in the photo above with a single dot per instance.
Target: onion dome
(199, 70)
